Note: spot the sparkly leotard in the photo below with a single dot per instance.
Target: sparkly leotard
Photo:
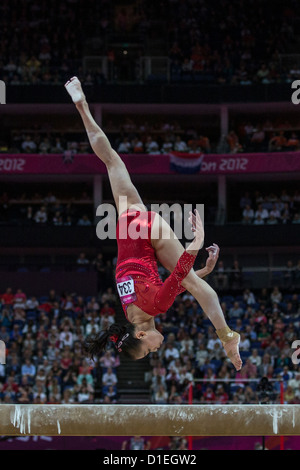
(137, 260)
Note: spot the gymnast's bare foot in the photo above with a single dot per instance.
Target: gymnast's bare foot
(230, 340)
(232, 351)
(73, 87)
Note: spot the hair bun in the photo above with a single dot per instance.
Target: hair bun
(116, 329)
(122, 335)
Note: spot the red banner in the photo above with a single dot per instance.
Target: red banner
(285, 162)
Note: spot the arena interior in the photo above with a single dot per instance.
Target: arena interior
(196, 96)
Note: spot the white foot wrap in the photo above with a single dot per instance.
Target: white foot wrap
(73, 87)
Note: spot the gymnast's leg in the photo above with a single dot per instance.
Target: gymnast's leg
(120, 180)
(168, 250)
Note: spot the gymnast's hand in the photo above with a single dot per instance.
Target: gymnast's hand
(213, 255)
(198, 230)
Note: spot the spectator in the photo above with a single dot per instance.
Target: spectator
(92, 327)
(244, 343)
(28, 369)
(136, 443)
(161, 396)
(261, 212)
(124, 146)
(236, 277)
(278, 142)
(41, 215)
(236, 311)
(248, 214)
(180, 145)
(233, 142)
(258, 220)
(137, 145)
(212, 342)
(112, 395)
(82, 259)
(159, 369)
(293, 142)
(66, 337)
(209, 395)
(249, 297)
(170, 353)
(109, 378)
(151, 145)
(108, 360)
(167, 145)
(84, 221)
(255, 358)
(32, 303)
(20, 299)
(221, 396)
(186, 342)
(272, 220)
(294, 383)
(204, 144)
(85, 385)
(276, 295)
(220, 276)
(289, 395)
(45, 146)
(28, 145)
(8, 297)
(172, 382)
(296, 219)
(272, 350)
(107, 310)
(84, 395)
(246, 201)
(275, 212)
(201, 355)
(109, 296)
(288, 275)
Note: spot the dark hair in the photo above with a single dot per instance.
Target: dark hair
(122, 336)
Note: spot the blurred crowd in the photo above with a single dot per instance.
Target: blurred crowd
(157, 135)
(227, 42)
(231, 42)
(139, 139)
(34, 208)
(193, 356)
(43, 337)
(45, 362)
(255, 207)
(263, 208)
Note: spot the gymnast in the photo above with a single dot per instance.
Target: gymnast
(142, 293)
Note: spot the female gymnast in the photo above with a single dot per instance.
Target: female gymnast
(142, 293)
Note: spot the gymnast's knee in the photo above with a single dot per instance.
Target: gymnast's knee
(114, 163)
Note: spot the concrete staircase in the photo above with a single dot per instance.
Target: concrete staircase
(132, 387)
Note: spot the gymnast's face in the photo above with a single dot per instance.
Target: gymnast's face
(151, 341)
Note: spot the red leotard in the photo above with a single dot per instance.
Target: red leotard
(137, 259)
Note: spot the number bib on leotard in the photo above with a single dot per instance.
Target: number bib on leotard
(126, 291)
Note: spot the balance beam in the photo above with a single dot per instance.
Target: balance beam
(149, 420)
